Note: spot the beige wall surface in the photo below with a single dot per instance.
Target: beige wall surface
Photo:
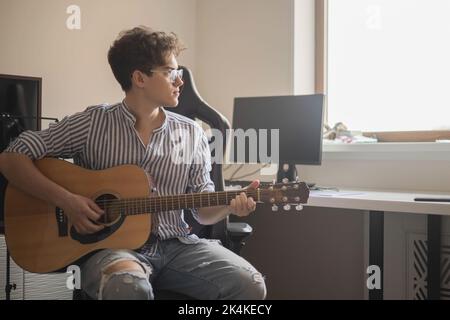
(244, 48)
(35, 41)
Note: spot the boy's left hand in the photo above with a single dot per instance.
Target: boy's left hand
(242, 205)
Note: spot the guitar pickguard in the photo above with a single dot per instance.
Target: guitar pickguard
(97, 236)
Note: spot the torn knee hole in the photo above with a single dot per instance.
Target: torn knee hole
(124, 265)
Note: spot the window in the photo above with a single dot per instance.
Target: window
(388, 67)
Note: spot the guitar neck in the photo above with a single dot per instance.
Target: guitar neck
(135, 206)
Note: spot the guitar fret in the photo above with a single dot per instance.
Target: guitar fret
(217, 198)
(193, 204)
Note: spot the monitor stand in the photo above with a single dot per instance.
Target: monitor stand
(287, 172)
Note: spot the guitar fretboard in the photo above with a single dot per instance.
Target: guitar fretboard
(176, 202)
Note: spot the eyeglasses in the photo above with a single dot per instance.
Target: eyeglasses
(173, 74)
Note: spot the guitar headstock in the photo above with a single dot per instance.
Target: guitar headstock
(286, 194)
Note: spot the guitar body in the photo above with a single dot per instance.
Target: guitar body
(41, 239)
(39, 243)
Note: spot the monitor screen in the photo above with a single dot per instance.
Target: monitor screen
(299, 120)
(20, 109)
(20, 106)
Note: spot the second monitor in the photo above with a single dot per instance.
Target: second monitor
(299, 120)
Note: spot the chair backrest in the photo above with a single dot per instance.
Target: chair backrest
(192, 105)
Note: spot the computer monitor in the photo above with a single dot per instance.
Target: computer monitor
(20, 106)
(299, 120)
(20, 109)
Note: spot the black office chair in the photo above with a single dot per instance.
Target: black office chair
(231, 234)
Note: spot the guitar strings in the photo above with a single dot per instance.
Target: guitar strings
(174, 202)
(220, 194)
(172, 199)
(190, 195)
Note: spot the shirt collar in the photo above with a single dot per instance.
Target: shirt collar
(128, 115)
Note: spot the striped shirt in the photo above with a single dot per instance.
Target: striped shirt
(177, 157)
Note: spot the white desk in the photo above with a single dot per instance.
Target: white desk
(374, 200)
(377, 203)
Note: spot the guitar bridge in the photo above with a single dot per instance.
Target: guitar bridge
(62, 222)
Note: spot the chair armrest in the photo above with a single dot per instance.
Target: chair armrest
(237, 232)
(239, 228)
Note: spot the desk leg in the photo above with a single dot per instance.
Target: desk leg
(434, 256)
(376, 249)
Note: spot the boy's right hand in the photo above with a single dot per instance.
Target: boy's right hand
(82, 212)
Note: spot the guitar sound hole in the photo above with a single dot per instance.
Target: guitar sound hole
(112, 211)
(112, 219)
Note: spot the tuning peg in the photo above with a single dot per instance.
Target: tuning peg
(287, 207)
(299, 207)
(285, 180)
(274, 208)
(297, 179)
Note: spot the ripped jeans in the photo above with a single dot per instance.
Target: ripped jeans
(203, 270)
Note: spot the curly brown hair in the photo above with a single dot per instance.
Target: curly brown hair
(140, 48)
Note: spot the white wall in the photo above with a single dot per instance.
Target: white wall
(244, 48)
(304, 44)
(73, 63)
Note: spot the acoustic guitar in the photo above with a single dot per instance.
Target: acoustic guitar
(41, 239)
